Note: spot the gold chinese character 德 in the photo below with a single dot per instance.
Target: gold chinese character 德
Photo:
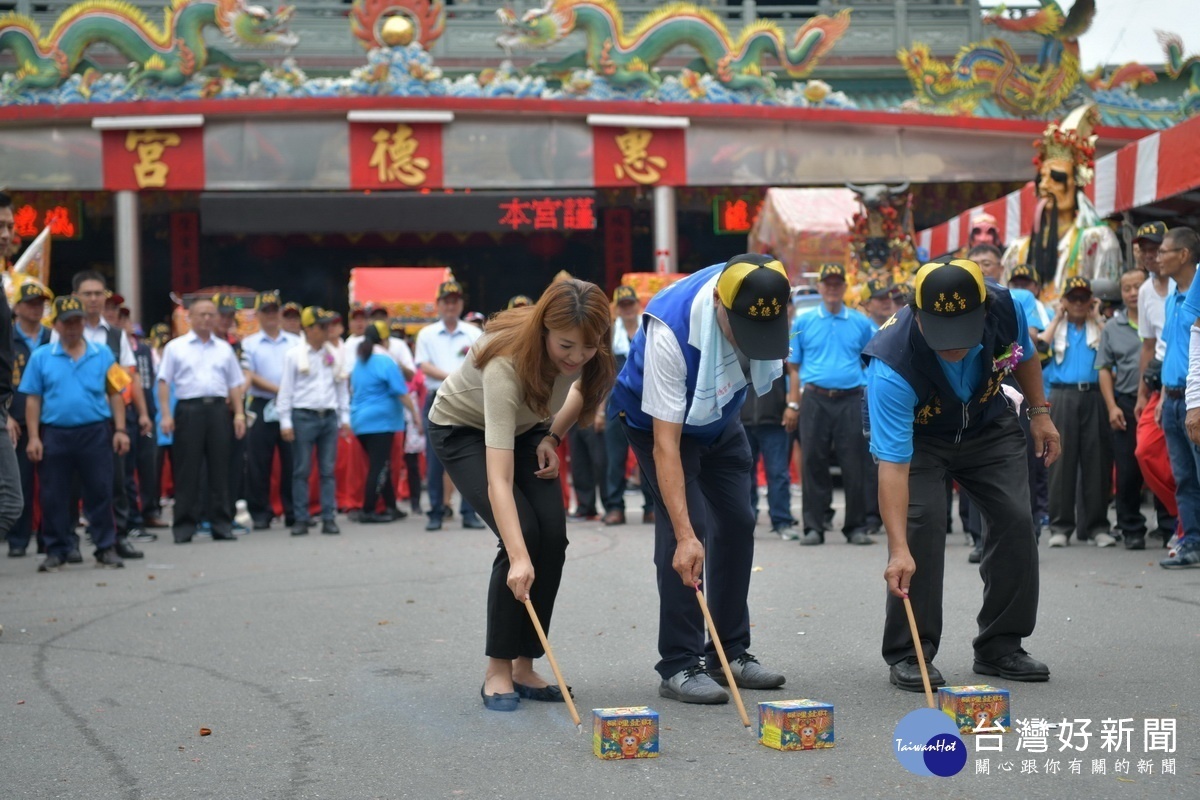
(151, 171)
(394, 156)
(636, 161)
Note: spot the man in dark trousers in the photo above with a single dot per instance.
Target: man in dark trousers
(680, 396)
(208, 416)
(826, 363)
(937, 410)
(76, 420)
(262, 361)
(28, 335)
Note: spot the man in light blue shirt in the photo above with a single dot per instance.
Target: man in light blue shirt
(826, 358)
(262, 362)
(441, 349)
(1080, 415)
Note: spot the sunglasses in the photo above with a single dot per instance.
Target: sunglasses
(1079, 298)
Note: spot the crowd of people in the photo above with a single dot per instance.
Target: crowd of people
(908, 390)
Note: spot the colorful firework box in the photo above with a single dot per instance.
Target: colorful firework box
(630, 732)
(976, 709)
(796, 725)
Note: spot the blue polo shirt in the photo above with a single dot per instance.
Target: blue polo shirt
(375, 388)
(828, 347)
(1035, 312)
(1079, 361)
(263, 356)
(1177, 333)
(892, 401)
(73, 392)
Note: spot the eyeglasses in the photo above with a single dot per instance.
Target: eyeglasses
(1171, 249)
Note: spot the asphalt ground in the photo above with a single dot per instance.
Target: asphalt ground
(350, 666)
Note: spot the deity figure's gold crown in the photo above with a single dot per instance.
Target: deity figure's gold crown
(1071, 140)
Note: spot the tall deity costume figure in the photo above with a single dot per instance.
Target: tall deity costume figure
(1068, 238)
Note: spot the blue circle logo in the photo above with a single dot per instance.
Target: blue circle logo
(926, 742)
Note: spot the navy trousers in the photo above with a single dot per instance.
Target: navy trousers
(85, 454)
(717, 485)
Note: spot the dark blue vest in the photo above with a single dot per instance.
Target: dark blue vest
(939, 412)
(672, 306)
(21, 354)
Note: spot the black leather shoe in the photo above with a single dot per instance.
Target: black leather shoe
(126, 550)
(224, 537)
(367, 517)
(300, 529)
(812, 537)
(75, 557)
(262, 524)
(433, 524)
(330, 527)
(473, 523)
(976, 555)
(859, 537)
(906, 675)
(547, 694)
(1135, 542)
(1016, 666)
(16, 552)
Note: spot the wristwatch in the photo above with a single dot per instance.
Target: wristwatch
(794, 406)
(1033, 411)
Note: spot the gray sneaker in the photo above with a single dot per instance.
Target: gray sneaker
(692, 685)
(749, 674)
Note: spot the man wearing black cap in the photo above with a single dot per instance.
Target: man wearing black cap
(826, 360)
(262, 361)
(28, 335)
(877, 301)
(1079, 414)
(938, 410)
(679, 397)
(76, 420)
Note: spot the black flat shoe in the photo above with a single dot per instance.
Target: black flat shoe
(507, 701)
(1016, 666)
(547, 694)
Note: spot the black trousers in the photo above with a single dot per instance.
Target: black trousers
(262, 441)
(587, 469)
(990, 468)
(717, 485)
(510, 633)
(831, 425)
(412, 465)
(1086, 462)
(378, 447)
(133, 498)
(203, 441)
(147, 475)
(1130, 520)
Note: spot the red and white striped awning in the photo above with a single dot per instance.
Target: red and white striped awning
(1154, 168)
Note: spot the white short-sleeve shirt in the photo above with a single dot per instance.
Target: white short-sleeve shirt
(664, 374)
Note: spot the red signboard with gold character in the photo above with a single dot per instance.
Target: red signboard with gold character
(395, 155)
(639, 157)
(150, 158)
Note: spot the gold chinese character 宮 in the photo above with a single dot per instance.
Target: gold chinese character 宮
(150, 171)
(636, 161)
(394, 156)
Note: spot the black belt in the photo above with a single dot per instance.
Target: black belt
(1175, 393)
(857, 390)
(205, 400)
(320, 412)
(1077, 387)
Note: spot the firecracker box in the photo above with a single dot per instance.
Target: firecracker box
(795, 724)
(976, 709)
(630, 732)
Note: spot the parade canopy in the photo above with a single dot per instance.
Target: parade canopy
(408, 285)
(1158, 167)
(804, 228)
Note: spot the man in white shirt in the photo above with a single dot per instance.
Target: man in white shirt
(262, 361)
(208, 416)
(441, 349)
(313, 402)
